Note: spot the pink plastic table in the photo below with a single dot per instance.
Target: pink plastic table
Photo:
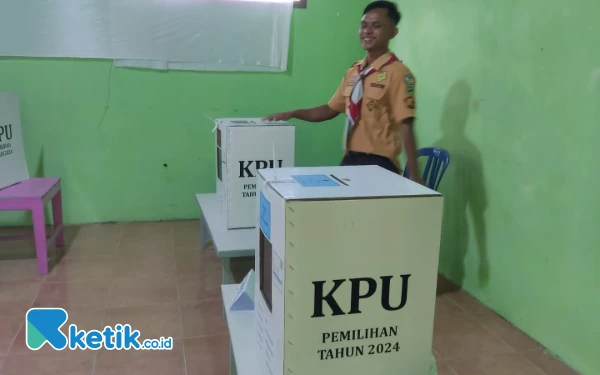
(33, 195)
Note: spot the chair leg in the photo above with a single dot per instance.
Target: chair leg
(39, 230)
(57, 217)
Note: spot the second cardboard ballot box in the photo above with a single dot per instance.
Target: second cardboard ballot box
(245, 145)
(346, 270)
(13, 165)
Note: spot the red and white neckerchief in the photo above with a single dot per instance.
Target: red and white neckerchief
(355, 105)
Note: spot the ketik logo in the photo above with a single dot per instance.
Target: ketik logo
(260, 164)
(6, 132)
(355, 295)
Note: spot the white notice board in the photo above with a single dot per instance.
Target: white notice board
(13, 166)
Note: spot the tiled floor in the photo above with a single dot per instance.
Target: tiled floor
(154, 276)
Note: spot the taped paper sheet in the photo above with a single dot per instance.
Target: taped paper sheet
(226, 35)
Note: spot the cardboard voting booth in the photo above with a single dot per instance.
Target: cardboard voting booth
(346, 270)
(13, 166)
(244, 146)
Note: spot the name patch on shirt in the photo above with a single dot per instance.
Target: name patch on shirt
(352, 80)
(378, 85)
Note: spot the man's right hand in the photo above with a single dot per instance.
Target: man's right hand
(282, 116)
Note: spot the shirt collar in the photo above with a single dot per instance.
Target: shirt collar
(378, 63)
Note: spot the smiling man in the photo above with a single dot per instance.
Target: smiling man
(378, 96)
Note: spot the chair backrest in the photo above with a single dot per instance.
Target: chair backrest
(437, 162)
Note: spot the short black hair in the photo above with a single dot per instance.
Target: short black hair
(392, 9)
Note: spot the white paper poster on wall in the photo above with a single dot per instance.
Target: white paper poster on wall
(13, 166)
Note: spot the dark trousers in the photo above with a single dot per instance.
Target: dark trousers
(360, 158)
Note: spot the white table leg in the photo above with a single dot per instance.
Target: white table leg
(226, 270)
(203, 232)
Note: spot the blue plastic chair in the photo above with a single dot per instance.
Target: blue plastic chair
(437, 162)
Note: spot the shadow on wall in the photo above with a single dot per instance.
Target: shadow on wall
(463, 189)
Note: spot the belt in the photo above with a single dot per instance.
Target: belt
(357, 153)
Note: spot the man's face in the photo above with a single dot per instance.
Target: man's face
(376, 30)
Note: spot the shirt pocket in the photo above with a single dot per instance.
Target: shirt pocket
(373, 102)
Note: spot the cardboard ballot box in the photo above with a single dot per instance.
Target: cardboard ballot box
(243, 147)
(346, 270)
(13, 165)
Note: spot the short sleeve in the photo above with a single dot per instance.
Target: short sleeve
(338, 101)
(402, 96)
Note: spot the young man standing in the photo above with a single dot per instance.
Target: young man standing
(378, 96)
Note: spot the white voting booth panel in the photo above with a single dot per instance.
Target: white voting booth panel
(346, 270)
(13, 166)
(244, 146)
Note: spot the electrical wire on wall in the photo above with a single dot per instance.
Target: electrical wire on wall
(108, 96)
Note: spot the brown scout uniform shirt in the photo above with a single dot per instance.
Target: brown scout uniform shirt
(388, 99)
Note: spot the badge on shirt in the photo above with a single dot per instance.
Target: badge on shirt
(409, 80)
(410, 102)
(371, 105)
(381, 76)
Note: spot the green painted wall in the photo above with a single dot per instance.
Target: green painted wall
(113, 167)
(512, 90)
